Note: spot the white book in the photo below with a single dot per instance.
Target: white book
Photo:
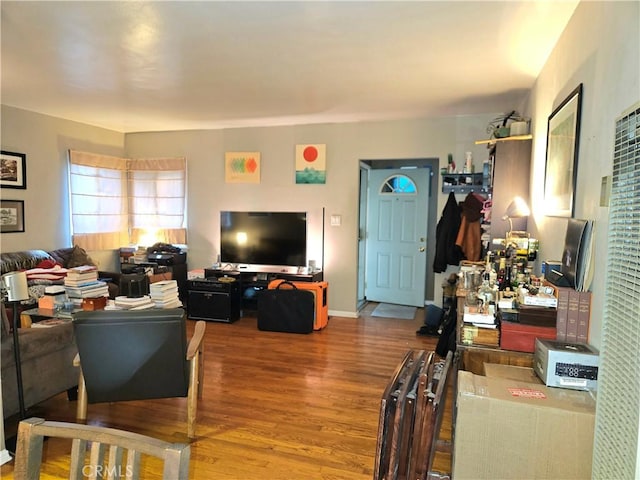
(472, 315)
(163, 285)
(127, 302)
(176, 303)
(163, 295)
(98, 292)
(83, 269)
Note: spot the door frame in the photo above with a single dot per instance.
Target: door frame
(408, 163)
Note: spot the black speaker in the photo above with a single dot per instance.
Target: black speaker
(134, 285)
(212, 300)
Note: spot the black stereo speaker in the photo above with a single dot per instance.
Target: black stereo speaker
(215, 301)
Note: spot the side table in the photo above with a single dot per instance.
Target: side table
(29, 318)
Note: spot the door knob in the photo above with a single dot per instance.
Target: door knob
(421, 249)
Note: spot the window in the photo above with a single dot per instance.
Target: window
(616, 436)
(116, 201)
(398, 184)
(157, 200)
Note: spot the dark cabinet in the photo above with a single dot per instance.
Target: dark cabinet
(244, 289)
(511, 174)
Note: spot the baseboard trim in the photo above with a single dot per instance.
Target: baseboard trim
(339, 313)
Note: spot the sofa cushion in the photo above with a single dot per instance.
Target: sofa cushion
(79, 258)
(26, 260)
(71, 257)
(35, 342)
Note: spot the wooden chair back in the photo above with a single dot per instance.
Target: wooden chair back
(97, 452)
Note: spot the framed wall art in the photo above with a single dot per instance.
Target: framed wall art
(13, 169)
(242, 167)
(311, 164)
(11, 216)
(563, 137)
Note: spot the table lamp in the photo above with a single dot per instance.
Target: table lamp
(518, 208)
(15, 284)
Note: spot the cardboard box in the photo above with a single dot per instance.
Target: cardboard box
(475, 358)
(510, 429)
(512, 372)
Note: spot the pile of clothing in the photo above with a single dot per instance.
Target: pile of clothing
(459, 232)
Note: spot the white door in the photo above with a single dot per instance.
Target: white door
(397, 236)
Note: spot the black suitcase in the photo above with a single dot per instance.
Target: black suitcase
(287, 310)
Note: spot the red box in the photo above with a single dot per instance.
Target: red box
(522, 338)
(319, 290)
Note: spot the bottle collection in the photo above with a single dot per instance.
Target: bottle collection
(490, 284)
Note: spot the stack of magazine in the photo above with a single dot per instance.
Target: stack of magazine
(165, 294)
(133, 303)
(82, 282)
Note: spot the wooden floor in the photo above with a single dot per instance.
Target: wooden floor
(275, 405)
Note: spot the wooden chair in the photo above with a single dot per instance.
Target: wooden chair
(136, 355)
(112, 453)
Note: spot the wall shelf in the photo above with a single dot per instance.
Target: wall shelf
(463, 182)
(492, 141)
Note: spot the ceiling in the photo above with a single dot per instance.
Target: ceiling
(155, 66)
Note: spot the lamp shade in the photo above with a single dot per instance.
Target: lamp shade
(16, 285)
(518, 208)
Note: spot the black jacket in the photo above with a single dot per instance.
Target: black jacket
(447, 252)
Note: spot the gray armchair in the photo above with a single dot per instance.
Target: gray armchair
(136, 355)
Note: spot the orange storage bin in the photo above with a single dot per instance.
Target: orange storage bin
(320, 290)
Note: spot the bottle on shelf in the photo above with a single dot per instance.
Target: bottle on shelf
(489, 272)
(487, 295)
(468, 163)
(502, 274)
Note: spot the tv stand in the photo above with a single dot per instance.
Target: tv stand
(250, 282)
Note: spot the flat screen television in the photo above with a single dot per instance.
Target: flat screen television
(263, 238)
(576, 255)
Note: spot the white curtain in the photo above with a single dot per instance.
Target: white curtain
(157, 199)
(117, 201)
(98, 199)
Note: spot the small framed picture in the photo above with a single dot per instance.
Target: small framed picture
(11, 216)
(13, 170)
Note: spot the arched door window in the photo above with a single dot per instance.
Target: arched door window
(398, 184)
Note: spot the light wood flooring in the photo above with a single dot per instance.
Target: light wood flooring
(275, 405)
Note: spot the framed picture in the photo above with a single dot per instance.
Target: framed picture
(561, 168)
(242, 167)
(13, 169)
(311, 164)
(11, 216)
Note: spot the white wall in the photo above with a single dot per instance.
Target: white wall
(600, 49)
(346, 145)
(45, 141)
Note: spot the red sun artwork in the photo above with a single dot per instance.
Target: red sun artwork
(310, 154)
